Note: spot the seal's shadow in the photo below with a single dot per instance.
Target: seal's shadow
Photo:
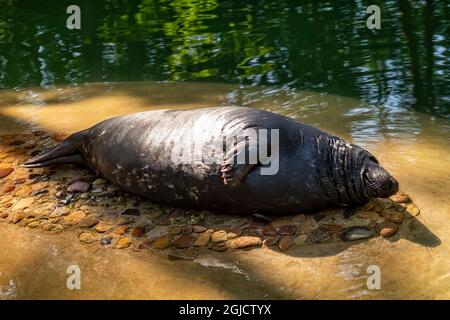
(411, 229)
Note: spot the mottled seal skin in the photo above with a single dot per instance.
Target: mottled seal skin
(316, 170)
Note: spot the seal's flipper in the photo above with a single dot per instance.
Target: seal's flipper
(233, 172)
(243, 157)
(65, 152)
(74, 158)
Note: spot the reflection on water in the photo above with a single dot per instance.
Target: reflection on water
(323, 46)
(414, 146)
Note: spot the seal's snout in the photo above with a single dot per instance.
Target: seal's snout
(378, 182)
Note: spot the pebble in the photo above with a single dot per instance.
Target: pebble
(120, 230)
(20, 181)
(123, 243)
(174, 231)
(400, 197)
(74, 217)
(105, 241)
(187, 230)
(53, 227)
(130, 212)
(99, 182)
(79, 186)
(87, 237)
(38, 192)
(219, 247)
(319, 235)
(7, 188)
(4, 215)
(244, 242)
(231, 235)
(219, 236)
(162, 243)
(17, 217)
(34, 224)
(184, 241)
(202, 239)
(301, 239)
(88, 222)
(59, 211)
(286, 242)
(112, 188)
(356, 233)
(199, 229)
(23, 204)
(393, 215)
(287, 230)
(387, 229)
(413, 210)
(270, 241)
(4, 172)
(137, 232)
(268, 231)
(103, 227)
(76, 179)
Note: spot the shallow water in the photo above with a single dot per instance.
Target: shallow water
(413, 146)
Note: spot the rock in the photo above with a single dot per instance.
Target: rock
(7, 188)
(219, 247)
(301, 239)
(393, 215)
(187, 230)
(309, 225)
(137, 232)
(202, 239)
(231, 235)
(53, 227)
(123, 243)
(286, 242)
(88, 222)
(219, 236)
(280, 222)
(157, 232)
(287, 230)
(99, 182)
(199, 229)
(268, 231)
(412, 209)
(319, 235)
(162, 243)
(4, 172)
(23, 204)
(174, 231)
(105, 241)
(381, 204)
(120, 230)
(112, 188)
(17, 217)
(103, 227)
(387, 229)
(270, 241)
(87, 237)
(19, 181)
(76, 179)
(400, 197)
(74, 217)
(59, 211)
(356, 233)
(130, 212)
(184, 241)
(79, 186)
(38, 192)
(4, 215)
(34, 224)
(244, 242)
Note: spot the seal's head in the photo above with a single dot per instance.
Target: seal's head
(376, 180)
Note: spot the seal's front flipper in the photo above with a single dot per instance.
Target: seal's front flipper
(65, 152)
(245, 155)
(233, 170)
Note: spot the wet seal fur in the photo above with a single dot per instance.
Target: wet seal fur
(316, 170)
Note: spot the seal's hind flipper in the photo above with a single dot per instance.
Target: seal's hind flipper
(74, 158)
(65, 152)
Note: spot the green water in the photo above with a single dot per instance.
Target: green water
(323, 46)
